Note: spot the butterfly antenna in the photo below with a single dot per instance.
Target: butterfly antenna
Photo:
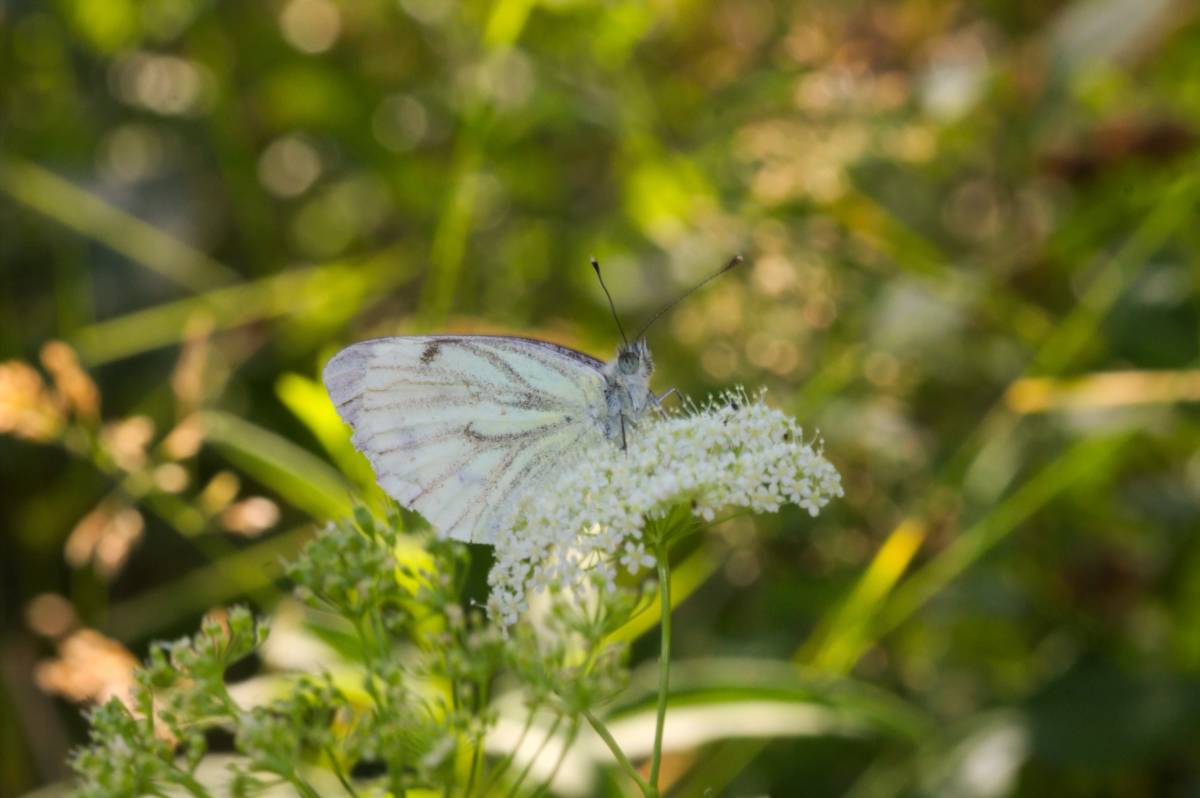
(611, 306)
(734, 261)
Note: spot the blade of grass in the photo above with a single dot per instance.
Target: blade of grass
(1085, 458)
(872, 222)
(503, 28)
(728, 679)
(872, 609)
(297, 475)
(309, 402)
(718, 769)
(1103, 389)
(1174, 209)
(316, 293)
(253, 570)
(921, 257)
(686, 578)
(89, 215)
(838, 642)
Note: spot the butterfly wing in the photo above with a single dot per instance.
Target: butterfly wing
(459, 427)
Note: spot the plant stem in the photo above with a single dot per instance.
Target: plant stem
(302, 786)
(341, 774)
(516, 785)
(622, 760)
(562, 756)
(476, 756)
(189, 783)
(494, 776)
(664, 662)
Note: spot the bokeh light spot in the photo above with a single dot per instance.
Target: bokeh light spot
(50, 615)
(429, 12)
(311, 26)
(289, 166)
(164, 84)
(132, 153)
(400, 123)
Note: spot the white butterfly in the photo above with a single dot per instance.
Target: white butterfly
(459, 427)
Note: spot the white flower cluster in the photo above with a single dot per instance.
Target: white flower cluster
(734, 452)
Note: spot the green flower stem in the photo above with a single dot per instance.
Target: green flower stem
(516, 785)
(368, 663)
(622, 760)
(562, 757)
(664, 663)
(494, 776)
(340, 773)
(302, 786)
(476, 755)
(190, 784)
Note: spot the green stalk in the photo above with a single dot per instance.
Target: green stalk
(622, 760)
(476, 755)
(516, 785)
(340, 773)
(494, 777)
(189, 783)
(303, 787)
(562, 756)
(664, 663)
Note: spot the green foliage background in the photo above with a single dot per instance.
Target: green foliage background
(973, 264)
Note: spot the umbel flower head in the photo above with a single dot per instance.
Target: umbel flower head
(592, 520)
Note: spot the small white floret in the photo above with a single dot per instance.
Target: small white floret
(733, 453)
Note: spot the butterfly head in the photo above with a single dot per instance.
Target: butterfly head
(634, 360)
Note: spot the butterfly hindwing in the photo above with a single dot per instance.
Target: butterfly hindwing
(457, 427)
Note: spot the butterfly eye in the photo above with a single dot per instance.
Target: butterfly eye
(628, 362)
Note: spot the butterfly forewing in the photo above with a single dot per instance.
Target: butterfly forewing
(458, 427)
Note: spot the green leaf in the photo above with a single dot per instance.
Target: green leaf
(297, 475)
(789, 697)
(92, 217)
(309, 402)
(317, 299)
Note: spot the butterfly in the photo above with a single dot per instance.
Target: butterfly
(460, 427)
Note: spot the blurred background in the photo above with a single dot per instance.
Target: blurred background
(973, 263)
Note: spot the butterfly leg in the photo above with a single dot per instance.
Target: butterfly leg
(623, 446)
